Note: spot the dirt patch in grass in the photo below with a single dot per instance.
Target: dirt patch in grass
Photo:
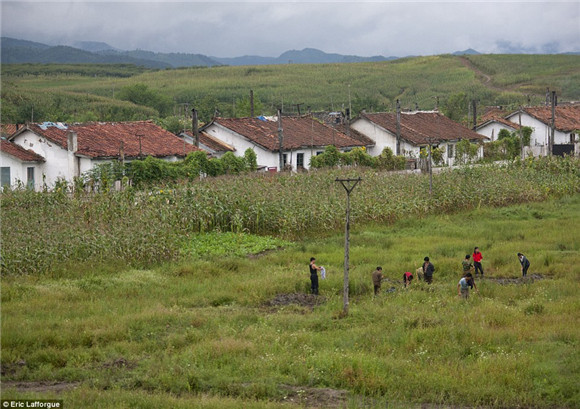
(300, 299)
(530, 278)
(41, 386)
(315, 397)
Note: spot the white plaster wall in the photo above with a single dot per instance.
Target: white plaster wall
(57, 159)
(381, 136)
(491, 130)
(541, 131)
(19, 169)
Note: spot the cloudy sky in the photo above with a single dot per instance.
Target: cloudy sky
(268, 28)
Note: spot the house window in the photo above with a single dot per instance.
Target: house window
(572, 138)
(5, 176)
(319, 153)
(285, 159)
(30, 178)
(449, 151)
(300, 160)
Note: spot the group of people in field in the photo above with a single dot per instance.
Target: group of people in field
(425, 272)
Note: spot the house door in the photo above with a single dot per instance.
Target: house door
(300, 160)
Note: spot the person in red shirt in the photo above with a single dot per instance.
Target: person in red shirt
(407, 277)
(477, 256)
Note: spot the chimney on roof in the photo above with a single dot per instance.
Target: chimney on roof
(72, 141)
(474, 114)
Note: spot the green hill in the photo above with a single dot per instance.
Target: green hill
(453, 81)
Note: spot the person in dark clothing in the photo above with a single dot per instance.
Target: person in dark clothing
(467, 266)
(313, 276)
(525, 264)
(477, 256)
(428, 269)
(377, 279)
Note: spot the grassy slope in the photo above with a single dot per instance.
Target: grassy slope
(201, 327)
(374, 86)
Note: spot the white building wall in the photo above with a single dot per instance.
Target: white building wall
(541, 131)
(19, 171)
(57, 164)
(492, 129)
(381, 136)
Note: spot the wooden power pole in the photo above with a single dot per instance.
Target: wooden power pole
(280, 141)
(349, 185)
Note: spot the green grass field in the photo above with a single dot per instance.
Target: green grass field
(220, 329)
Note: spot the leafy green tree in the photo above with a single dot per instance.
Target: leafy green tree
(244, 109)
(465, 152)
(141, 94)
(456, 106)
(251, 160)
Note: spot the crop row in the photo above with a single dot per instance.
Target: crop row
(43, 232)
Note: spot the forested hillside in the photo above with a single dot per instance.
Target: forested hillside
(37, 92)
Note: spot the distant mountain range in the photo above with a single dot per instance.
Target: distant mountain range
(16, 51)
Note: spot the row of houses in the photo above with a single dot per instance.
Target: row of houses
(38, 155)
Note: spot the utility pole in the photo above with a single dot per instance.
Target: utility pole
(521, 135)
(398, 149)
(474, 105)
(251, 103)
(280, 140)
(349, 185)
(430, 168)
(194, 127)
(553, 125)
(140, 150)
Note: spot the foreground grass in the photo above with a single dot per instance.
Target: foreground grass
(201, 333)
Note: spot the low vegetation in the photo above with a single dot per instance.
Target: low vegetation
(220, 329)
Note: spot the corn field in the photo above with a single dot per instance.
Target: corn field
(46, 232)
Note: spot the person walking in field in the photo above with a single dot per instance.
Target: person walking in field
(428, 269)
(477, 256)
(467, 266)
(525, 264)
(464, 284)
(314, 276)
(377, 279)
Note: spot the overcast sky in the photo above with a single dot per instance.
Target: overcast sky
(268, 28)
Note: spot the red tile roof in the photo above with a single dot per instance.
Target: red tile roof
(567, 116)
(298, 132)
(25, 155)
(215, 144)
(417, 127)
(8, 129)
(103, 139)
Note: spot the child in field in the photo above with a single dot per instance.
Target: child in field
(377, 279)
(525, 264)
(428, 269)
(464, 284)
(407, 277)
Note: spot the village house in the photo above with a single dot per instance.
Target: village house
(417, 130)
(302, 138)
(19, 166)
(70, 150)
(566, 127)
(493, 121)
